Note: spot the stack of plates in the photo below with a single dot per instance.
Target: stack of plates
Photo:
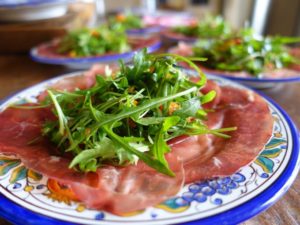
(31, 10)
(27, 23)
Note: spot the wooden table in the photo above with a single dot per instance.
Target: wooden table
(18, 72)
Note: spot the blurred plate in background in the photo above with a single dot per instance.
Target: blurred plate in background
(20, 37)
(46, 53)
(268, 79)
(31, 10)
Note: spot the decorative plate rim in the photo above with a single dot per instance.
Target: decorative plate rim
(145, 30)
(256, 80)
(94, 59)
(253, 206)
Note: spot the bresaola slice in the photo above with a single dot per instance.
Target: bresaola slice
(125, 189)
(116, 189)
(84, 81)
(222, 157)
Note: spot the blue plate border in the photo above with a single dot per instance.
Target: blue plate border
(144, 31)
(250, 79)
(254, 206)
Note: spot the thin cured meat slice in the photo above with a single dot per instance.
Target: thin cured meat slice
(116, 189)
(133, 187)
(292, 71)
(296, 53)
(19, 127)
(124, 189)
(183, 49)
(222, 157)
(169, 20)
(71, 84)
(269, 74)
(84, 81)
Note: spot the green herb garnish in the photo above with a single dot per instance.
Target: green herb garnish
(125, 21)
(130, 115)
(94, 41)
(210, 27)
(246, 51)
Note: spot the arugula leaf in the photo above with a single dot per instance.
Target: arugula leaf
(103, 149)
(61, 117)
(106, 149)
(208, 97)
(188, 108)
(160, 146)
(150, 120)
(125, 21)
(158, 165)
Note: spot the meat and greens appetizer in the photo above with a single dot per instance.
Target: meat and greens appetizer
(123, 139)
(246, 52)
(209, 27)
(126, 21)
(93, 41)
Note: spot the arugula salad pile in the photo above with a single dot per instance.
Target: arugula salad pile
(130, 115)
(246, 51)
(125, 22)
(209, 27)
(93, 41)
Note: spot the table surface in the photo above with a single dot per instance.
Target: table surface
(18, 72)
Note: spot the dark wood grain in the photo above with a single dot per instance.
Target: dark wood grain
(18, 72)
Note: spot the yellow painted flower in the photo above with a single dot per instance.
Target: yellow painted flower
(278, 135)
(80, 208)
(28, 188)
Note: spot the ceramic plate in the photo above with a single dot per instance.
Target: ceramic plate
(31, 10)
(229, 200)
(45, 53)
